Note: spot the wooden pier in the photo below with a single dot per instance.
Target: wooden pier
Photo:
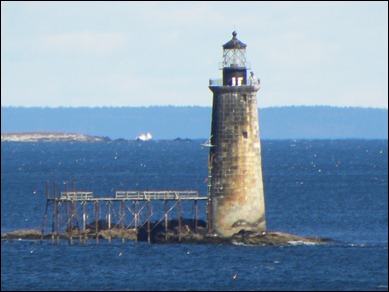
(71, 208)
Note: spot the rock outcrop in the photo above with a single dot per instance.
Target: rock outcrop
(190, 233)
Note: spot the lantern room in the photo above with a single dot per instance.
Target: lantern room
(234, 62)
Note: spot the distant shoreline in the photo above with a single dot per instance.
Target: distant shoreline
(34, 137)
(127, 123)
(67, 137)
(49, 137)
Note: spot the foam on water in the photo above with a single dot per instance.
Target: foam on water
(300, 242)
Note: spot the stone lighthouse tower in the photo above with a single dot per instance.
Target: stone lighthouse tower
(236, 196)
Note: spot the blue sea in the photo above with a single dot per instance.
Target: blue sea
(335, 189)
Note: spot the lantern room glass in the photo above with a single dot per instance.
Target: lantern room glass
(235, 58)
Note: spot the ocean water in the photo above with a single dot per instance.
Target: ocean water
(325, 188)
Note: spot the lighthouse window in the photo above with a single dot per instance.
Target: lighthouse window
(236, 81)
(245, 135)
(244, 97)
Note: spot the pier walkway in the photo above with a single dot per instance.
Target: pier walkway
(133, 196)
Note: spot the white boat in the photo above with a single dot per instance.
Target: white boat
(208, 143)
(144, 137)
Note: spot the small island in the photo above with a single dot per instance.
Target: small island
(189, 232)
(49, 137)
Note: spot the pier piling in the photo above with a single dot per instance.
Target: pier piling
(140, 215)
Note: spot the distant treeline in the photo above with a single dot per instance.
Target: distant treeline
(194, 122)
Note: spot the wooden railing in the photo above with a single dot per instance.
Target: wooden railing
(158, 195)
(76, 196)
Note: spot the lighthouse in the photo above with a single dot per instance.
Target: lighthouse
(235, 191)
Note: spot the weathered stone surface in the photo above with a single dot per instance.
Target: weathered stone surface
(236, 184)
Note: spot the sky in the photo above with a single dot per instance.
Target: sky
(108, 53)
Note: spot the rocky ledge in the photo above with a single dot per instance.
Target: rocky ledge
(188, 234)
(49, 137)
(242, 237)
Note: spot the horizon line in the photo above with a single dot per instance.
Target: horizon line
(184, 106)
